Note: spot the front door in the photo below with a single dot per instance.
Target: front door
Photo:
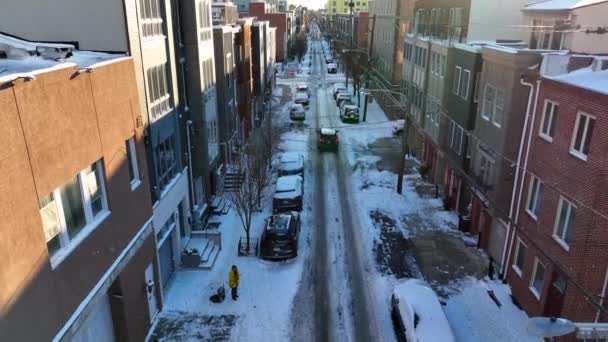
(151, 291)
(555, 296)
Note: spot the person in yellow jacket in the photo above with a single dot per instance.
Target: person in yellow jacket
(233, 281)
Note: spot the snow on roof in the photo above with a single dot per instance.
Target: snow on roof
(288, 182)
(328, 131)
(27, 59)
(559, 5)
(415, 295)
(583, 71)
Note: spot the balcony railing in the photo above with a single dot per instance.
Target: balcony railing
(449, 34)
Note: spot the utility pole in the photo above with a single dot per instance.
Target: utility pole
(407, 122)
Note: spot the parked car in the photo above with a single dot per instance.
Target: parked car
(341, 97)
(417, 314)
(328, 139)
(297, 112)
(329, 60)
(302, 98)
(332, 68)
(302, 87)
(288, 193)
(279, 239)
(338, 87)
(349, 113)
(291, 163)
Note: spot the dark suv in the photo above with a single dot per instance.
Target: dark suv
(279, 239)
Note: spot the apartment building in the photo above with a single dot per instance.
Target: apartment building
(391, 24)
(279, 20)
(223, 13)
(344, 6)
(558, 265)
(78, 253)
(245, 96)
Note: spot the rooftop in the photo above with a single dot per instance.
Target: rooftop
(20, 58)
(559, 5)
(583, 71)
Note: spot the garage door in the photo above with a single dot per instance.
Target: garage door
(98, 326)
(165, 258)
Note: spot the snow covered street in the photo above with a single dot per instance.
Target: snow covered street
(358, 239)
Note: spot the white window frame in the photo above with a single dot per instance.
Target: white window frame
(573, 151)
(532, 289)
(477, 83)
(545, 135)
(514, 266)
(151, 26)
(455, 83)
(496, 122)
(466, 76)
(487, 174)
(561, 239)
(67, 244)
(132, 155)
(533, 180)
(485, 104)
(161, 105)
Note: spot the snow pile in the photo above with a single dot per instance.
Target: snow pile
(474, 316)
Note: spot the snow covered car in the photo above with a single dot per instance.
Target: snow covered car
(349, 113)
(338, 87)
(291, 163)
(332, 68)
(302, 98)
(288, 193)
(417, 314)
(328, 139)
(341, 97)
(303, 88)
(279, 239)
(297, 112)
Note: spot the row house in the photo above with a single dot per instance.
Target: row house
(224, 13)
(429, 46)
(78, 244)
(225, 71)
(244, 76)
(352, 32)
(558, 255)
(152, 32)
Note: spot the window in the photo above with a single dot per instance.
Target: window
(485, 168)
(538, 278)
(464, 84)
(151, 19)
(204, 23)
(132, 160)
(455, 136)
(456, 81)
(499, 105)
(535, 196)
(547, 123)
(166, 162)
(442, 65)
(72, 210)
(158, 92)
(488, 102)
(563, 231)
(581, 137)
(520, 257)
(544, 36)
(477, 82)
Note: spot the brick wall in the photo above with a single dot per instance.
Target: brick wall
(584, 183)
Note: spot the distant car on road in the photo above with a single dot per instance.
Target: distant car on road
(279, 239)
(338, 87)
(302, 98)
(332, 68)
(302, 87)
(291, 163)
(341, 97)
(288, 193)
(417, 314)
(328, 139)
(349, 113)
(297, 112)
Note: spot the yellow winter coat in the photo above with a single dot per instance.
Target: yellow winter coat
(233, 279)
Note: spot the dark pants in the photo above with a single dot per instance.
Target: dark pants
(234, 293)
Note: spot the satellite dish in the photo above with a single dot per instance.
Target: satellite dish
(550, 326)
